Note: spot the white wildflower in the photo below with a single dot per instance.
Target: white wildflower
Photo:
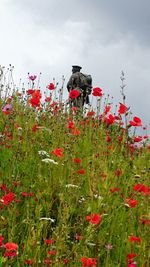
(47, 219)
(43, 153)
(72, 185)
(19, 128)
(82, 199)
(47, 160)
(91, 244)
(98, 196)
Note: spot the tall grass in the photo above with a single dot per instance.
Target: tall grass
(74, 189)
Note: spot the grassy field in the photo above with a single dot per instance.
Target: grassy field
(74, 190)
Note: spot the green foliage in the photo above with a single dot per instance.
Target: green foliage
(54, 196)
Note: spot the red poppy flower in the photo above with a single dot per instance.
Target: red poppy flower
(89, 262)
(70, 125)
(90, 113)
(115, 189)
(6, 199)
(29, 262)
(35, 102)
(138, 138)
(77, 160)
(52, 252)
(131, 255)
(145, 221)
(51, 86)
(131, 202)
(10, 254)
(141, 188)
(11, 246)
(97, 91)
(118, 172)
(30, 91)
(74, 109)
(49, 241)
(54, 104)
(145, 136)
(1, 240)
(122, 109)
(35, 128)
(48, 99)
(47, 261)
(108, 139)
(107, 109)
(3, 187)
(78, 237)
(75, 131)
(134, 239)
(109, 120)
(57, 152)
(65, 261)
(36, 94)
(94, 218)
(135, 122)
(25, 194)
(74, 94)
(81, 171)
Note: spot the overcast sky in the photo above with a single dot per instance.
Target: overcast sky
(103, 36)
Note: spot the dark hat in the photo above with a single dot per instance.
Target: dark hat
(76, 67)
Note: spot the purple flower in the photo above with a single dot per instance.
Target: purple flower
(32, 77)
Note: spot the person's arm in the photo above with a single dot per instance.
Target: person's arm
(70, 84)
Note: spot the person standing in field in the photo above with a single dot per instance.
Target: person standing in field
(79, 87)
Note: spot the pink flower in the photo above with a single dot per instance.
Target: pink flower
(109, 246)
(7, 107)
